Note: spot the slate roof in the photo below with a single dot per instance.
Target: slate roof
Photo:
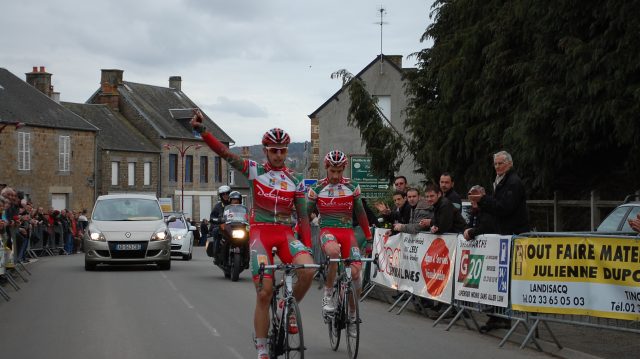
(164, 108)
(116, 133)
(22, 102)
(372, 63)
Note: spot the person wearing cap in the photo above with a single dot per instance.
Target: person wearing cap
(277, 192)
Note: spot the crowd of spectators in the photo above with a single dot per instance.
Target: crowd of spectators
(22, 225)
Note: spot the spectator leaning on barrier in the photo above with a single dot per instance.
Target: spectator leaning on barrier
(480, 222)
(446, 185)
(400, 214)
(419, 210)
(446, 217)
(400, 183)
(508, 206)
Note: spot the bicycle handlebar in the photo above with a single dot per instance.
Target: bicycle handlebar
(348, 261)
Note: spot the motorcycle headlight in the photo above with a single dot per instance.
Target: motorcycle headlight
(237, 234)
(96, 235)
(161, 235)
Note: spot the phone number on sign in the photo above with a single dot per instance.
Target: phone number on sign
(552, 300)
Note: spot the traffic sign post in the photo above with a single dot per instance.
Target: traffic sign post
(371, 186)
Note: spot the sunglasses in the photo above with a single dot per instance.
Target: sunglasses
(275, 150)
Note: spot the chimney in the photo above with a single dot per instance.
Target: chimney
(175, 82)
(41, 80)
(396, 59)
(110, 79)
(55, 96)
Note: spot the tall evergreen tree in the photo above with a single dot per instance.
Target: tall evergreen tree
(556, 83)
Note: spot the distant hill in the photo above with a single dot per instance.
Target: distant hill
(295, 156)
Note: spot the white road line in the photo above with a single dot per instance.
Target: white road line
(213, 330)
(184, 299)
(172, 285)
(235, 352)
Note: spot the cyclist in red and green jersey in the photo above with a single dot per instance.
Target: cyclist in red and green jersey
(276, 191)
(336, 198)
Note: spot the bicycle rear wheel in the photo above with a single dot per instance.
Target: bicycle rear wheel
(335, 323)
(294, 342)
(352, 321)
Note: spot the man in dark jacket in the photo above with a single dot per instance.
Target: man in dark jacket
(400, 214)
(446, 217)
(480, 222)
(419, 210)
(446, 186)
(508, 206)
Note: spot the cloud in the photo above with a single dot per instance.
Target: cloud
(243, 108)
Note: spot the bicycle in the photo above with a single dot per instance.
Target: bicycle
(345, 296)
(280, 340)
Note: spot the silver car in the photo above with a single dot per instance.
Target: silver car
(181, 236)
(128, 229)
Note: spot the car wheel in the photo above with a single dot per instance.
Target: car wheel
(187, 257)
(164, 265)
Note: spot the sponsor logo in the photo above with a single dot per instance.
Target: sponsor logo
(283, 186)
(470, 270)
(504, 251)
(435, 267)
(517, 269)
(272, 182)
(503, 279)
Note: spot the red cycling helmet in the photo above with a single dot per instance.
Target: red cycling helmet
(335, 158)
(275, 136)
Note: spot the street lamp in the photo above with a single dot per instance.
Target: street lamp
(182, 150)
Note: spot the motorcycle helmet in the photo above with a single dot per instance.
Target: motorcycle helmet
(235, 195)
(223, 189)
(275, 136)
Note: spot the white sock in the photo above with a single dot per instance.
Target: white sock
(328, 291)
(261, 345)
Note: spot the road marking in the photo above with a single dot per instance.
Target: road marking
(213, 330)
(235, 352)
(184, 299)
(172, 285)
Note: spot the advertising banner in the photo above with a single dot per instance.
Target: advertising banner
(482, 274)
(421, 264)
(577, 275)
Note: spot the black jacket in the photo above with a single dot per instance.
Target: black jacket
(454, 198)
(447, 217)
(508, 205)
(481, 222)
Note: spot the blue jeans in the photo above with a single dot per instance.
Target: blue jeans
(68, 243)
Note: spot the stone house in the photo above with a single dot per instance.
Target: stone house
(189, 173)
(51, 155)
(384, 79)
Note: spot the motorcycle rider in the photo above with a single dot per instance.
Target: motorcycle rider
(215, 217)
(337, 199)
(276, 191)
(235, 197)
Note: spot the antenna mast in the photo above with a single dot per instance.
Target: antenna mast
(382, 12)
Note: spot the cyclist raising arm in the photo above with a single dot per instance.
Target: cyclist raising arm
(336, 198)
(276, 192)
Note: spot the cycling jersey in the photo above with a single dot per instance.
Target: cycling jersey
(336, 203)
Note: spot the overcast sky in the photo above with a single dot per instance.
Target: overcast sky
(250, 65)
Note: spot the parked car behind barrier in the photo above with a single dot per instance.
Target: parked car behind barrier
(617, 222)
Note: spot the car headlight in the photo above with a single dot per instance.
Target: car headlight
(96, 235)
(161, 235)
(237, 234)
(178, 237)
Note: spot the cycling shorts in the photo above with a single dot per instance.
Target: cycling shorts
(263, 237)
(345, 237)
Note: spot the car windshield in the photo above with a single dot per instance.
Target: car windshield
(612, 222)
(127, 209)
(177, 224)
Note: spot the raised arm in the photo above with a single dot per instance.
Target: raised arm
(218, 147)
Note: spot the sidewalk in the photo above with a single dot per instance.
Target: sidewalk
(578, 342)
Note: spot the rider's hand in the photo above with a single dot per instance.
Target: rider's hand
(368, 248)
(196, 121)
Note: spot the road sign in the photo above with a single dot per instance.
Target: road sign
(361, 173)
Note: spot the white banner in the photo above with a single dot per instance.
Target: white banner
(422, 264)
(483, 270)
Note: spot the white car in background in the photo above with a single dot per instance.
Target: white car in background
(128, 229)
(181, 236)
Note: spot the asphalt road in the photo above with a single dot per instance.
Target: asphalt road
(192, 311)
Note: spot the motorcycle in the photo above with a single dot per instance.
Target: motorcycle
(233, 254)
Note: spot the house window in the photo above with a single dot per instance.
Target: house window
(115, 166)
(384, 109)
(173, 167)
(188, 168)
(218, 169)
(147, 173)
(204, 169)
(131, 173)
(64, 153)
(24, 151)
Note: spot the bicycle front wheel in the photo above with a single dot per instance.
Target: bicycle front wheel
(335, 323)
(294, 340)
(352, 321)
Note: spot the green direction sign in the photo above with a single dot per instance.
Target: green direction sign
(361, 173)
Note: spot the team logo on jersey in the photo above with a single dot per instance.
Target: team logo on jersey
(340, 192)
(331, 193)
(272, 182)
(282, 176)
(283, 186)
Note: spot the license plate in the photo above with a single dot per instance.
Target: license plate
(128, 247)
